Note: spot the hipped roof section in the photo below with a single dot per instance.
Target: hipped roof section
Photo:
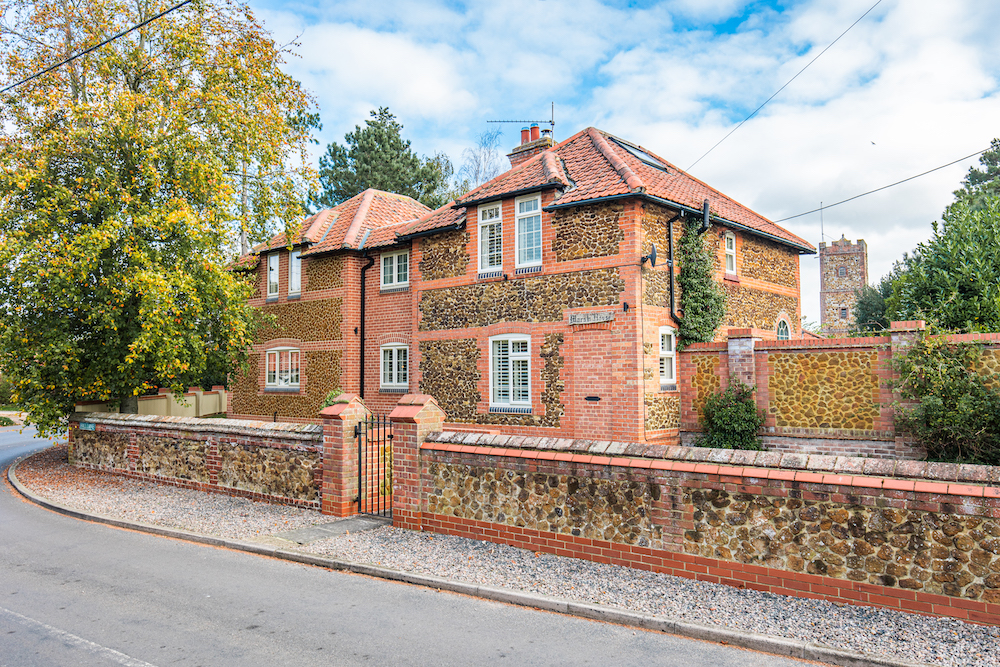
(369, 219)
(594, 165)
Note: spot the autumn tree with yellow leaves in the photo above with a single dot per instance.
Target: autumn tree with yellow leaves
(125, 177)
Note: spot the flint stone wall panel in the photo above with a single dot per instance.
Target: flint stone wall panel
(101, 448)
(172, 457)
(663, 411)
(706, 380)
(765, 260)
(288, 473)
(824, 390)
(444, 255)
(587, 231)
(539, 299)
(323, 273)
(938, 553)
(747, 307)
(601, 509)
(317, 319)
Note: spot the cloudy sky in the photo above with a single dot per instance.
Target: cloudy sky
(914, 85)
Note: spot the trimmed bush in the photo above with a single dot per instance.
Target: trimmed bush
(731, 419)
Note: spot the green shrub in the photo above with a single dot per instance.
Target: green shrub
(731, 419)
(944, 403)
(6, 421)
(331, 397)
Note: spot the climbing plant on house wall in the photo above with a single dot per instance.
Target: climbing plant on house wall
(703, 303)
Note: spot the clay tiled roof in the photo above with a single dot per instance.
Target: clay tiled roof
(593, 164)
(446, 216)
(361, 218)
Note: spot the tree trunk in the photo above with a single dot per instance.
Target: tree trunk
(129, 405)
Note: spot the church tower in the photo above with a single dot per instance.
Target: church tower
(843, 268)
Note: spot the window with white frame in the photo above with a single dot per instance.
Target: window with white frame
(784, 332)
(842, 271)
(273, 264)
(529, 231)
(490, 238)
(395, 366)
(510, 373)
(294, 272)
(730, 252)
(282, 368)
(668, 355)
(395, 269)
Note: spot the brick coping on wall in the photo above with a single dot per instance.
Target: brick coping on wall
(918, 476)
(284, 430)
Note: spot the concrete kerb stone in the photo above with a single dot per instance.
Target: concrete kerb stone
(764, 643)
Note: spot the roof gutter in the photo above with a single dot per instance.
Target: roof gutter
(512, 193)
(687, 209)
(428, 232)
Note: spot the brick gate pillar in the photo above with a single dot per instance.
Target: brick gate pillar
(741, 356)
(902, 335)
(340, 454)
(414, 417)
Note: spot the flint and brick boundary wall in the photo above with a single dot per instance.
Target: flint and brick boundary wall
(908, 535)
(307, 465)
(826, 396)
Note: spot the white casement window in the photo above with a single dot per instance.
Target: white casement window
(395, 367)
(396, 269)
(294, 272)
(282, 368)
(273, 262)
(784, 332)
(668, 355)
(730, 253)
(529, 231)
(490, 238)
(510, 373)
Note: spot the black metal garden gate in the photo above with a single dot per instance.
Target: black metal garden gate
(374, 437)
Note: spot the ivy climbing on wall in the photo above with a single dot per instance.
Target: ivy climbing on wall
(703, 303)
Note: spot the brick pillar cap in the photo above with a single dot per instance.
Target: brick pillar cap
(343, 402)
(740, 333)
(908, 325)
(411, 405)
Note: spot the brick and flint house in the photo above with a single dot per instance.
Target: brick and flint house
(529, 306)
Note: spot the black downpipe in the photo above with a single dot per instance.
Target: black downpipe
(670, 263)
(361, 363)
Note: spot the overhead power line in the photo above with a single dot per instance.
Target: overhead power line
(884, 187)
(96, 46)
(784, 86)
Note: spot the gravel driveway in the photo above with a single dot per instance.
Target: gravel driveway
(892, 634)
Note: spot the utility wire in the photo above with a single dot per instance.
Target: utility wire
(783, 87)
(96, 46)
(884, 187)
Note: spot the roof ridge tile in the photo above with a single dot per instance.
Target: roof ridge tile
(631, 179)
(351, 235)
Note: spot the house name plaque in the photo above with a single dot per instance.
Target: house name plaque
(591, 318)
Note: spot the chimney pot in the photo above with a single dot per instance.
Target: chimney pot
(524, 136)
(534, 131)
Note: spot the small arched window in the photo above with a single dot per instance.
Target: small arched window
(784, 333)
(730, 252)
(842, 271)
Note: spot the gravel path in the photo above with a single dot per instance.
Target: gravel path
(887, 633)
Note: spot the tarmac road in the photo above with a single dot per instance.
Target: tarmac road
(79, 593)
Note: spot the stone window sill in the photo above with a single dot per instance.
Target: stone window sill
(393, 390)
(281, 390)
(731, 278)
(272, 299)
(668, 387)
(392, 290)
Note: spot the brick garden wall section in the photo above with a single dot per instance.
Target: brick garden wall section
(827, 397)
(916, 536)
(307, 465)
